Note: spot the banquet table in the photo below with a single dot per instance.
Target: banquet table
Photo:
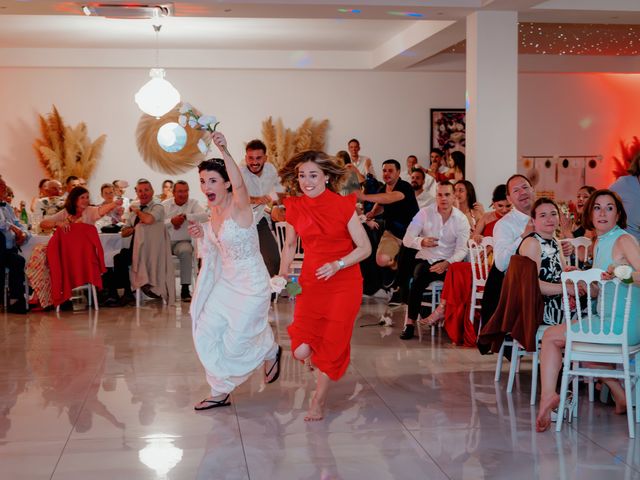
(112, 243)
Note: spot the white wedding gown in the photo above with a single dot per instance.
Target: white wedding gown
(230, 306)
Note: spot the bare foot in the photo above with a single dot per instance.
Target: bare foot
(543, 421)
(315, 412)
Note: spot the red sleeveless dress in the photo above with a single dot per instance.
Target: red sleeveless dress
(326, 310)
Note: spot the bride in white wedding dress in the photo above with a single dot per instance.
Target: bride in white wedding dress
(230, 304)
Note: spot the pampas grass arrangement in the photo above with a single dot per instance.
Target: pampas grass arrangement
(64, 150)
(622, 164)
(160, 160)
(282, 143)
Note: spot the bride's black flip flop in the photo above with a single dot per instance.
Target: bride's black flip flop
(213, 403)
(276, 364)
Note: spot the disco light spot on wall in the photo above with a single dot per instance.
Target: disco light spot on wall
(349, 10)
(405, 14)
(301, 59)
(466, 99)
(408, 53)
(585, 122)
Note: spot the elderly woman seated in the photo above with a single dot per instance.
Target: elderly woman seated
(605, 214)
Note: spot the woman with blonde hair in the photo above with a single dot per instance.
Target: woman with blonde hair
(334, 243)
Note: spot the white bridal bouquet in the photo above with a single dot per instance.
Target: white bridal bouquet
(624, 273)
(188, 116)
(279, 283)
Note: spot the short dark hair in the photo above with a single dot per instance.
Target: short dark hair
(543, 201)
(353, 140)
(168, 180)
(393, 162)
(419, 170)
(445, 183)
(70, 179)
(179, 182)
(513, 177)
(256, 145)
(587, 213)
(437, 151)
(72, 198)
(215, 165)
(105, 185)
(42, 182)
(412, 156)
(499, 193)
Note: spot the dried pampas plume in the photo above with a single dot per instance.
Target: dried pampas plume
(160, 160)
(282, 143)
(628, 153)
(64, 150)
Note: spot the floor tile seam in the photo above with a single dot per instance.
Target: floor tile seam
(84, 402)
(613, 454)
(401, 423)
(244, 452)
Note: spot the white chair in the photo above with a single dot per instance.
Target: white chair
(430, 299)
(585, 344)
(92, 296)
(480, 266)
(583, 243)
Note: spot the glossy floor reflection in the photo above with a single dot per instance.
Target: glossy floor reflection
(111, 396)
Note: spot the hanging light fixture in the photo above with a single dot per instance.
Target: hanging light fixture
(157, 96)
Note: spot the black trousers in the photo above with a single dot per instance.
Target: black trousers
(268, 247)
(120, 278)
(422, 277)
(11, 259)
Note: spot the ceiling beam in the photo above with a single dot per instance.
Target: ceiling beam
(417, 43)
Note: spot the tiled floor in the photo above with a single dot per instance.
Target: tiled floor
(111, 396)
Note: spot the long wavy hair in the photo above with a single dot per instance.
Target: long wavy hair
(330, 166)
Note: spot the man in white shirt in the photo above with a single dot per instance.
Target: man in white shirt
(113, 219)
(178, 212)
(440, 233)
(50, 204)
(263, 184)
(412, 163)
(362, 163)
(424, 186)
(515, 225)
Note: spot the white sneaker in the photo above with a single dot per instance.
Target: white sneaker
(382, 293)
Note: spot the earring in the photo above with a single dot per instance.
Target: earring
(326, 182)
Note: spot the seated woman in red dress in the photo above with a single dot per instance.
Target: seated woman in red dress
(334, 243)
(501, 206)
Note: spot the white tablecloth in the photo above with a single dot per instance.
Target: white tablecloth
(112, 243)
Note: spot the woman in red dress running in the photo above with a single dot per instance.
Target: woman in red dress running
(334, 243)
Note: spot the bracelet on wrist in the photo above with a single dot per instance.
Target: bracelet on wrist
(341, 264)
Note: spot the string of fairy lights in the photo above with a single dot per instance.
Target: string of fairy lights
(573, 39)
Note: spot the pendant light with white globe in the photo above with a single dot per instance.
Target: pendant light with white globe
(157, 96)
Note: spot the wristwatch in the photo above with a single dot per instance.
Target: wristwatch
(341, 264)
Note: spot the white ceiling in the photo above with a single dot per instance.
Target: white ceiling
(378, 37)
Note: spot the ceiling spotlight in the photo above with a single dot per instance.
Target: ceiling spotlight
(131, 10)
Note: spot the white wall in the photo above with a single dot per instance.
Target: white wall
(564, 114)
(387, 112)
